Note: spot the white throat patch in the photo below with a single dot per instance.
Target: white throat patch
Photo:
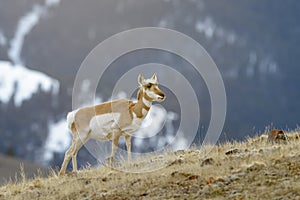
(146, 102)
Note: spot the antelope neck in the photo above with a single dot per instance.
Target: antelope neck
(143, 104)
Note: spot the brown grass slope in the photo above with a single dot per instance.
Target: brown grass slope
(253, 169)
(9, 166)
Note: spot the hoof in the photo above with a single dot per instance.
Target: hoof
(61, 173)
(109, 160)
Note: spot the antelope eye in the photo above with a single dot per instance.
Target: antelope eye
(149, 86)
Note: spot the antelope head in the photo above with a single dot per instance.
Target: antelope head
(150, 88)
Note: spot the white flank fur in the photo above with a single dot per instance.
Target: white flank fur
(102, 125)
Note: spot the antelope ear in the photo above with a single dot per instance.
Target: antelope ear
(154, 77)
(141, 79)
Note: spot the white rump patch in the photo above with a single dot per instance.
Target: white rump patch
(71, 117)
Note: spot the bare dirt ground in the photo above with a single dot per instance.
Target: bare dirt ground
(253, 169)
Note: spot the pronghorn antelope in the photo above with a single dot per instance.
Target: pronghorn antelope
(110, 120)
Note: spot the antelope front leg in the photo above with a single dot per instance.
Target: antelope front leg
(128, 145)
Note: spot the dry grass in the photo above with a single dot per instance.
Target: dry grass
(9, 168)
(252, 169)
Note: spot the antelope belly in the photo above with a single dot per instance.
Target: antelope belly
(102, 125)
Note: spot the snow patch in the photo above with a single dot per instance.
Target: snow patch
(159, 119)
(58, 140)
(83, 98)
(25, 25)
(153, 122)
(209, 28)
(23, 83)
(268, 66)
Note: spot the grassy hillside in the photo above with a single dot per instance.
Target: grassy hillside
(253, 169)
(9, 166)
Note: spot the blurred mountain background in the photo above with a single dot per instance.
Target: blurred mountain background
(255, 45)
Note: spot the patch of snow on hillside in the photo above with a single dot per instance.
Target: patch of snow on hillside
(153, 122)
(209, 28)
(58, 140)
(156, 120)
(23, 83)
(25, 25)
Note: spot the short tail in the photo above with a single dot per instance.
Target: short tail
(71, 118)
